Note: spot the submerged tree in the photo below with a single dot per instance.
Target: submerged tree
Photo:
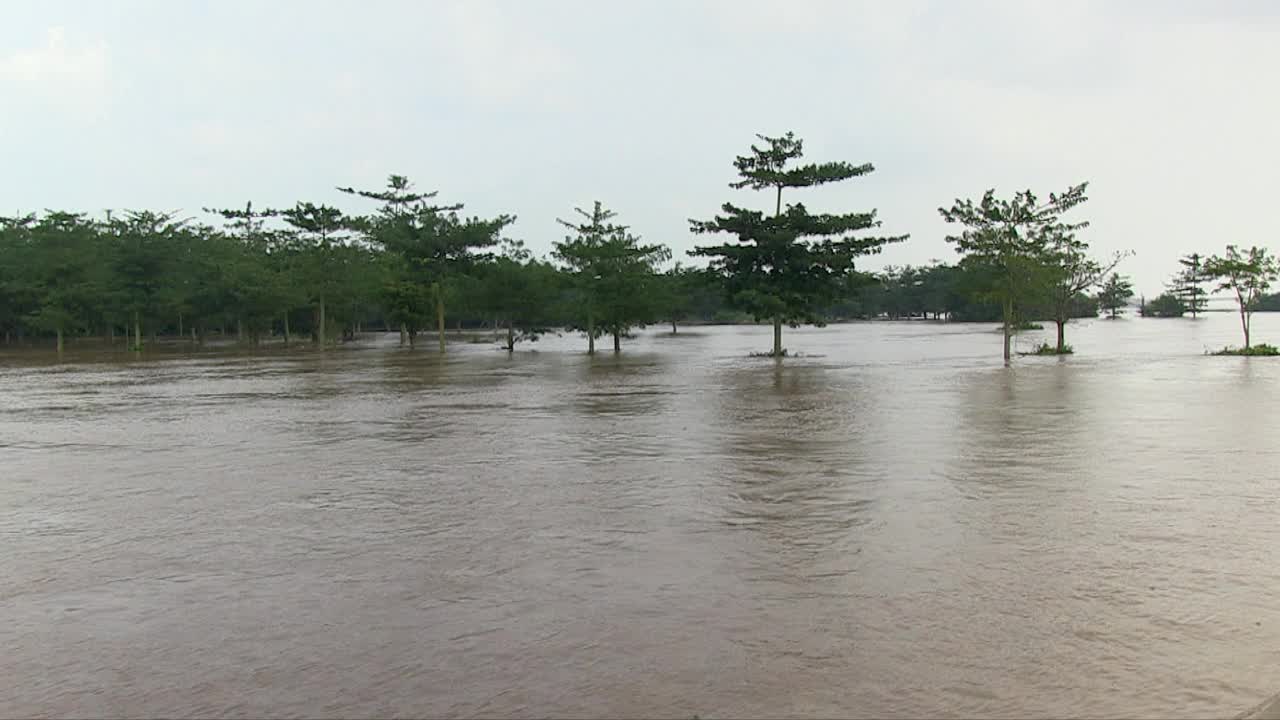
(1072, 274)
(1115, 294)
(1187, 284)
(789, 266)
(1248, 275)
(613, 275)
(323, 254)
(1012, 239)
(435, 244)
(518, 291)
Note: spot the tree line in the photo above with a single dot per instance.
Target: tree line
(412, 263)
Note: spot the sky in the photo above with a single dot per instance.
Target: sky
(1168, 108)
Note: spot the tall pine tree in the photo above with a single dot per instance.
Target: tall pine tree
(787, 267)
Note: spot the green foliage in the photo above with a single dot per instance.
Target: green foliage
(1022, 245)
(519, 292)
(613, 277)
(1247, 274)
(432, 246)
(789, 266)
(1115, 294)
(1166, 305)
(1187, 284)
(1259, 350)
(1050, 349)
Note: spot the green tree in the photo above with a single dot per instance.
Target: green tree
(1072, 274)
(613, 274)
(1248, 274)
(63, 254)
(249, 227)
(1187, 284)
(790, 266)
(1165, 305)
(435, 244)
(1011, 241)
(324, 257)
(1115, 294)
(518, 292)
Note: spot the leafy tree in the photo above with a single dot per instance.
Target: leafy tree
(1187, 283)
(324, 256)
(435, 244)
(682, 290)
(788, 267)
(1247, 274)
(249, 227)
(63, 255)
(1115, 294)
(1165, 305)
(1012, 240)
(519, 291)
(1072, 274)
(613, 274)
(144, 248)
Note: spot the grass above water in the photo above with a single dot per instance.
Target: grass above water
(1048, 349)
(1259, 350)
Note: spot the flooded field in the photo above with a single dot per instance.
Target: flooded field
(892, 525)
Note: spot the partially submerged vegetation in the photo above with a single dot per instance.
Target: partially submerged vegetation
(413, 264)
(1259, 350)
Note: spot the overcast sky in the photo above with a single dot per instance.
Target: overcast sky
(1169, 108)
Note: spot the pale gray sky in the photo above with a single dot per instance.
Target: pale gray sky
(1168, 107)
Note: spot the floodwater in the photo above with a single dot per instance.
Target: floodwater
(893, 525)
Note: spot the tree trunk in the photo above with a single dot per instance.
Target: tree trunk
(1244, 323)
(181, 331)
(320, 326)
(440, 317)
(193, 335)
(1008, 330)
(412, 336)
(511, 336)
(240, 331)
(591, 333)
(674, 329)
(111, 334)
(404, 335)
(1062, 335)
(60, 341)
(777, 326)
(137, 332)
(286, 328)
(617, 343)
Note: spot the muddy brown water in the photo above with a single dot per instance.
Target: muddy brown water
(890, 526)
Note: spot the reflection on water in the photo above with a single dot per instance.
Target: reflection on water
(893, 525)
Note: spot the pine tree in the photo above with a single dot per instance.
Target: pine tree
(1115, 294)
(789, 266)
(1186, 285)
(613, 274)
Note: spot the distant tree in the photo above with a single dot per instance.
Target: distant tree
(1187, 284)
(519, 292)
(1012, 241)
(788, 267)
(61, 260)
(324, 256)
(249, 227)
(1072, 274)
(435, 243)
(1115, 294)
(1166, 305)
(614, 275)
(1248, 274)
(682, 290)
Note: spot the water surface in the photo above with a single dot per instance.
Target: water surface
(893, 525)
